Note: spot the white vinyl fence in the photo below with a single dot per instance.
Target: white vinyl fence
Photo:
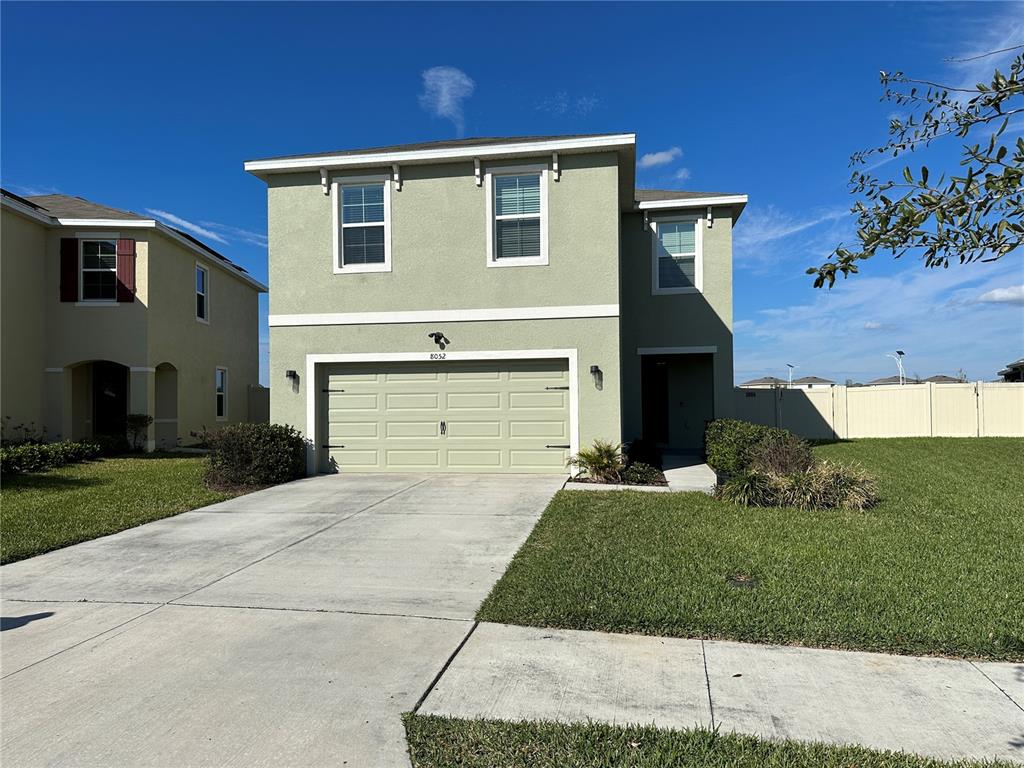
(978, 409)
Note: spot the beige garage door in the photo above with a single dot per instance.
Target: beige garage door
(488, 416)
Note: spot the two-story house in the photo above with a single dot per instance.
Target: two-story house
(490, 305)
(107, 313)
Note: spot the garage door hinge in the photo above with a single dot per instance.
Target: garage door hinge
(556, 388)
(556, 446)
(334, 390)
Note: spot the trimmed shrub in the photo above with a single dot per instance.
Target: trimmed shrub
(36, 457)
(112, 445)
(254, 454)
(780, 453)
(603, 462)
(728, 443)
(639, 473)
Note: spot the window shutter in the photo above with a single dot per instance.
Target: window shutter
(125, 271)
(68, 269)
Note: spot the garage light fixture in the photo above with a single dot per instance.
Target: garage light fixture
(439, 339)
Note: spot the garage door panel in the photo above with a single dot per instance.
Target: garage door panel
(413, 428)
(499, 416)
(547, 429)
(412, 458)
(461, 458)
(342, 429)
(412, 401)
(480, 401)
(474, 429)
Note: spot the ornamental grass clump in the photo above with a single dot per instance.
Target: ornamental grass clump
(769, 467)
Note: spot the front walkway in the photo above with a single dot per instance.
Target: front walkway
(938, 707)
(289, 627)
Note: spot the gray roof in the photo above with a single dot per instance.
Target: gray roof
(763, 380)
(644, 195)
(68, 207)
(445, 144)
(894, 380)
(942, 378)
(812, 380)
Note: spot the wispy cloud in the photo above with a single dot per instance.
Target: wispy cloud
(1012, 295)
(767, 234)
(444, 90)
(31, 190)
(683, 174)
(664, 157)
(563, 103)
(237, 233)
(187, 225)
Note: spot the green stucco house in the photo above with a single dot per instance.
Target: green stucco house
(490, 305)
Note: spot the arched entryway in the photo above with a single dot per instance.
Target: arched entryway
(165, 414)
(99, 398)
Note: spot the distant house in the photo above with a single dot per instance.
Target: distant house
(810, 382)
(1013, 371)
(893, 380)
(107, 313)
(766, 382)
(943, 379)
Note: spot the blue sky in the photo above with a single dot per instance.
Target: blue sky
(154, 107)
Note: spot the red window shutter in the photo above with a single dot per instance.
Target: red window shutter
(126, 271)
(68, 269)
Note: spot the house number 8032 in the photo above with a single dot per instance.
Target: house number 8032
(437, 355)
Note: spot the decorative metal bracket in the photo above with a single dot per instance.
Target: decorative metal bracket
(554, 166)
(396, 176)
(325, 183)
(477, 173)
(709, 217)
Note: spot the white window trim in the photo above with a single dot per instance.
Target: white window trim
(342, 181)
(513, 170)
(227, 387)
(206, 294)
(82, 301)
(698, 259)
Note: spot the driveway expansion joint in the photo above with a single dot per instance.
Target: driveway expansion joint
(997, 686)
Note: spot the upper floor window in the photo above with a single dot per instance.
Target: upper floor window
(676, 262)
(517, 217)
(202, 301)
(99, 270)
(363, 226)
(221, 388)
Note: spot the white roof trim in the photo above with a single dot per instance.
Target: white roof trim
(467, 152)
(693, 202)
(119, 224)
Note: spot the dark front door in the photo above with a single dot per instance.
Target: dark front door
(654, 392)
(109, 398)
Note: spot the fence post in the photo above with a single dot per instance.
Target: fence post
(979, 410)
(931, 409)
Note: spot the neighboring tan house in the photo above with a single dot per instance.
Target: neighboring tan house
(106, 313)
(766, 382)
(491, 305)
(811, 382)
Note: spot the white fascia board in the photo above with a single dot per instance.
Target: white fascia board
(468, 152)
(693, 202)
(27, 210)
(445, 315)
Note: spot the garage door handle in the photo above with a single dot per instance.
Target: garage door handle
(565, 388)
(444, 428)
(556, 446)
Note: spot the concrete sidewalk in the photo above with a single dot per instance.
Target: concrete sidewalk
(939, 707)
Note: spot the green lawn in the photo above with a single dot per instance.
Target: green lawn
(438, 742)
(936, 568)
(48, 510)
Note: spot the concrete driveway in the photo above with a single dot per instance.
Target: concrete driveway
(287, 627)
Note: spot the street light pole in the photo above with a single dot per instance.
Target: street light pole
(791, 367)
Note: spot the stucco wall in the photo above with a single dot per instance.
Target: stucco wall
(22, 324)
(676, 320)
(596, 340)
(194, 348)
(439, 244)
